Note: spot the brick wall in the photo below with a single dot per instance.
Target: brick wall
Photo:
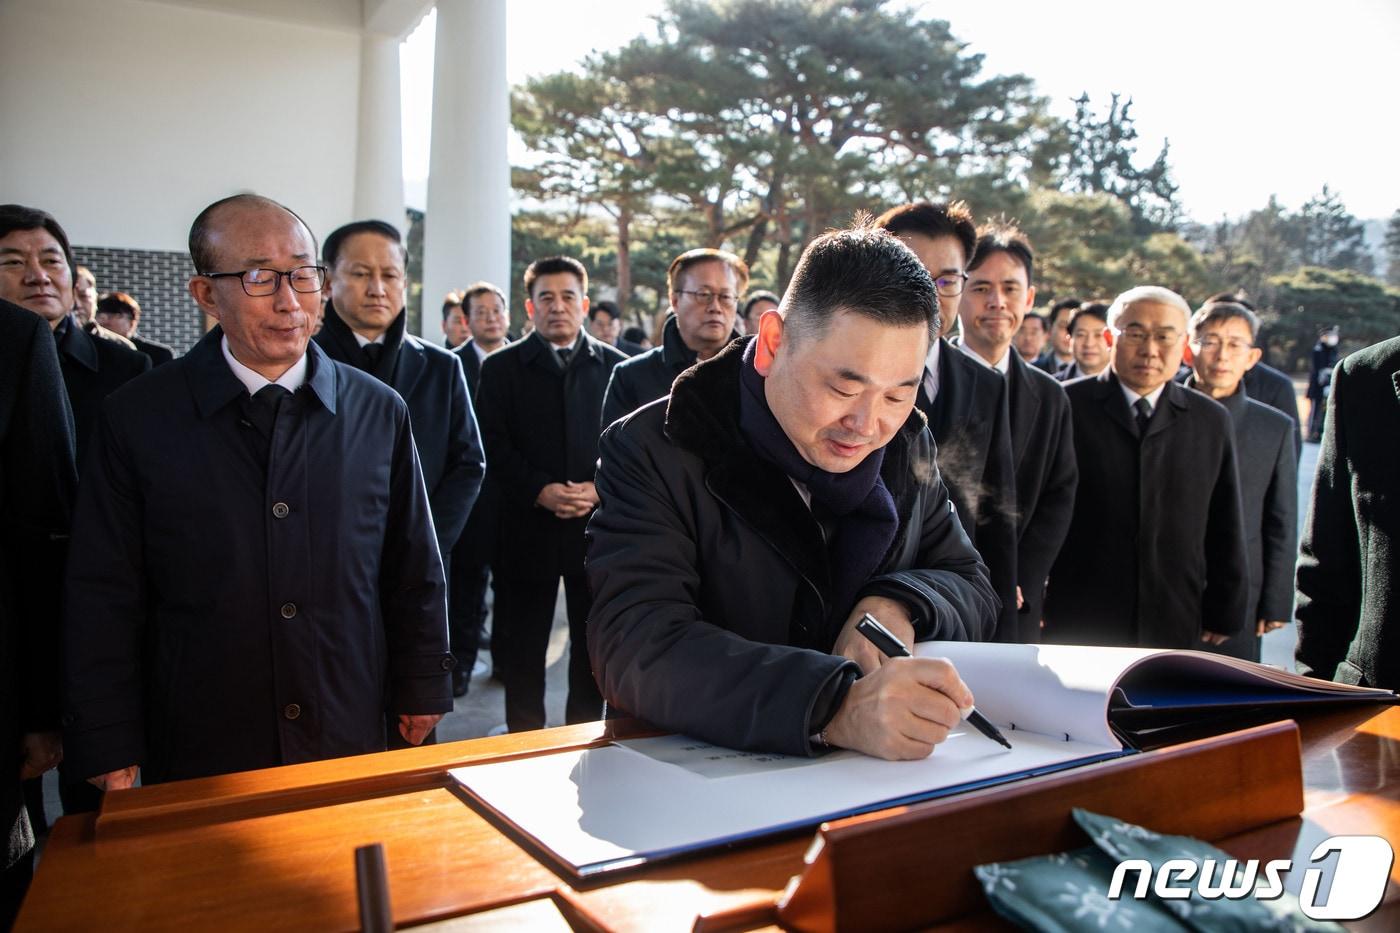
(155, 278)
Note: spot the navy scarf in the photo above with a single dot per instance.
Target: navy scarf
(858, 500)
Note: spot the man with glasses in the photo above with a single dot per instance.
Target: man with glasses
(1222, 351)
(965, 403)
(260, 581)
(705, 286)
(998, 296)
(1155, 554)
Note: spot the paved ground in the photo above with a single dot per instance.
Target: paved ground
(483, 708)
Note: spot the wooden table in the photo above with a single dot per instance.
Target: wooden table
(273, 850)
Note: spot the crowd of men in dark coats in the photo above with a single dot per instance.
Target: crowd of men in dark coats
(348, 496)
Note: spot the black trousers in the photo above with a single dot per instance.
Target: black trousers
(524, 615)
(466, 611)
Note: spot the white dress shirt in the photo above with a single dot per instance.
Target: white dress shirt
(293, 379)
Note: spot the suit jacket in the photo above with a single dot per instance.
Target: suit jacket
(1268, 386)
(93, 368)
(1156, 548)
(709, 574)
(540, 423)
(471, 365)
(430, 380)
(157, 351)
(233, 612)
(37, 484)
(648, 375)
(1042, 450)
(1348, 595)
(1269, 498)
(971, 425)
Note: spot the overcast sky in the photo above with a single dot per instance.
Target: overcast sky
(1256, 98)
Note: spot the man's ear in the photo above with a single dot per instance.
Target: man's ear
(769, 339)
(1187, 356)
(202, 291)
(1108, 337)
(530, 309)
(585, 305)
(1255, 355)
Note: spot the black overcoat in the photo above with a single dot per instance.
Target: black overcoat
(431, 381)
(647, 376)
(471, 366)
(1042, 450)
(94, 368)
(709, 573)
(971, 427)
(37, 484)
(1349, 566)
(159, 353)
(232, 613)
(1269, 498)
(1268, 386)
(1156, 548)
(540, 425)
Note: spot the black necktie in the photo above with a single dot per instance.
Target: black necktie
(369, 356)
(1144, 415)
(565, 353)
(264, 406)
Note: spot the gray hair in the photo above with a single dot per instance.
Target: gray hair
(1148, 294)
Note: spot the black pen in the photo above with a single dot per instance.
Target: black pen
(891, 647)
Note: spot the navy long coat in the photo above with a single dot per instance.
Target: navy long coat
(1155, 553)
(231, 613)
(431, 382)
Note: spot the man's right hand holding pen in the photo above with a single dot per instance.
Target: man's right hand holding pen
(900, 708)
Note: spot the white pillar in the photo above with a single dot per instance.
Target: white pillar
(466, 234)
(379, 149)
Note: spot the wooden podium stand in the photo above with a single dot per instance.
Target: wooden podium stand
(274, 850)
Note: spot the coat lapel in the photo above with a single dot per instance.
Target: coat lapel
(1026, 402)
(410, 366)
(1115, 406)
(1171, 401)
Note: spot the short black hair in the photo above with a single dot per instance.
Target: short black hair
(476, 290)
(933, 219)
(1033, 316)
(18, 217)
(1214, 311)
(1093, 309)
(1234, 298)
(604, 307)
(1060, 307)
(755, 298)
(202, 251)
(864, 269)
(331, 251)
(554, 265)
(1004, 238)
(119, 303)
(634, 334)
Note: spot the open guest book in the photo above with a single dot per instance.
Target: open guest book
(639, 801)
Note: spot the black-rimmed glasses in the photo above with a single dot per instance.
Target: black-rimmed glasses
(950, 286)
(259, 283)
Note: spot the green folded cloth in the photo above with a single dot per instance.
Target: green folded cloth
(1068, 892)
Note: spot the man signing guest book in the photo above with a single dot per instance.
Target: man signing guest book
(785, 488)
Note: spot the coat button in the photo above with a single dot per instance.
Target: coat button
(280, 510)
(291, 711)
(289, 610)
(448, 663)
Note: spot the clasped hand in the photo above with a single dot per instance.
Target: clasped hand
(568, 500)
